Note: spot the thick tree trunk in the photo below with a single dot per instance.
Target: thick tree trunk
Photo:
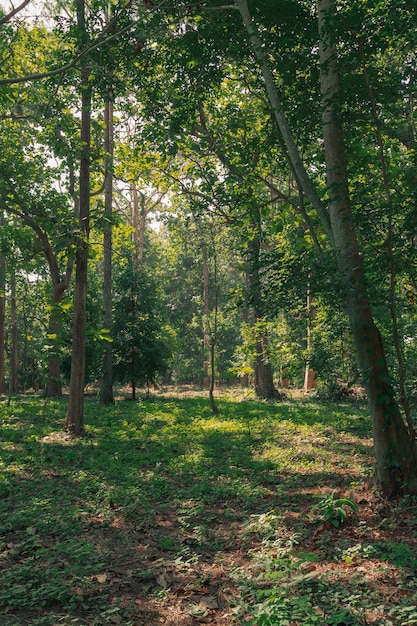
(264, 383)
(395, 448)
(75, 413)
(106, 390)
(263, 377)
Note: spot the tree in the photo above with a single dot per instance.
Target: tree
(75, 413)
(141, 345)
(395, 449)
(106, 391)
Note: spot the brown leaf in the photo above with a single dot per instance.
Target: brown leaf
(101, 578)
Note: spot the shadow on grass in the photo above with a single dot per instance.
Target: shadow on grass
(150, 482)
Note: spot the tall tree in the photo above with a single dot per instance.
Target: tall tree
(75, 413)
(395, 449)
(106, 389)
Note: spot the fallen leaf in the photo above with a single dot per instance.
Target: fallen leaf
(101, 578)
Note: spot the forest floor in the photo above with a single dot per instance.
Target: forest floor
(164, 513)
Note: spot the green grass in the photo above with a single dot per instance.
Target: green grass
(165, 513)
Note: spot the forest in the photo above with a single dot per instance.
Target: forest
(208, 291)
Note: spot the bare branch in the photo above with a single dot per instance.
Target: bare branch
(6, 18)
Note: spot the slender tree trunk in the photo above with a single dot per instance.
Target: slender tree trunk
(142, 227)
(309, 374)
(213, 404)
(106, 391)
(53, 387)
(206, 312)
(291, 151)
(14, 349)
(135, 215)
(2, 319)
(395, 449)
(75, 414)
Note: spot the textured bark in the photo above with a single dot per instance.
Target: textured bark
(75, 413)
(395, 448)
(106, 390)
(263, 378)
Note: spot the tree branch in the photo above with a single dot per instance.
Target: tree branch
(6, 18)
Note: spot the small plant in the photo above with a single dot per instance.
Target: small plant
(332, 511)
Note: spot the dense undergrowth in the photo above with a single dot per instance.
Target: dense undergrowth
(164, 513)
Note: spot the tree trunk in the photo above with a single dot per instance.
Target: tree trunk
(106, 390)
(206, 321)
(309, 374)
(53, 388)
(213, 404)
(14, 350)
(75, 413)
(263, 378)
(135, 215)
(292, 153)
(2, 319)
(395, 449)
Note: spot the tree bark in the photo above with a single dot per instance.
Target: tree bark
(106, 390)
(75, 413)
(14, 348)
(2, 319)
(309, 374)
(53, 387)
(206, 313)
(263, 378)
(395, 448)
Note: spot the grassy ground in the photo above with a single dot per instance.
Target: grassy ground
(166, 514)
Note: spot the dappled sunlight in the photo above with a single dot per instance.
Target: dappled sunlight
(163, 508)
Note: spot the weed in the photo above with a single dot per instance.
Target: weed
(332, 510)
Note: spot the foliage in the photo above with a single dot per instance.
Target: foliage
(333, 510)
(163, 505)
(141, 337)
